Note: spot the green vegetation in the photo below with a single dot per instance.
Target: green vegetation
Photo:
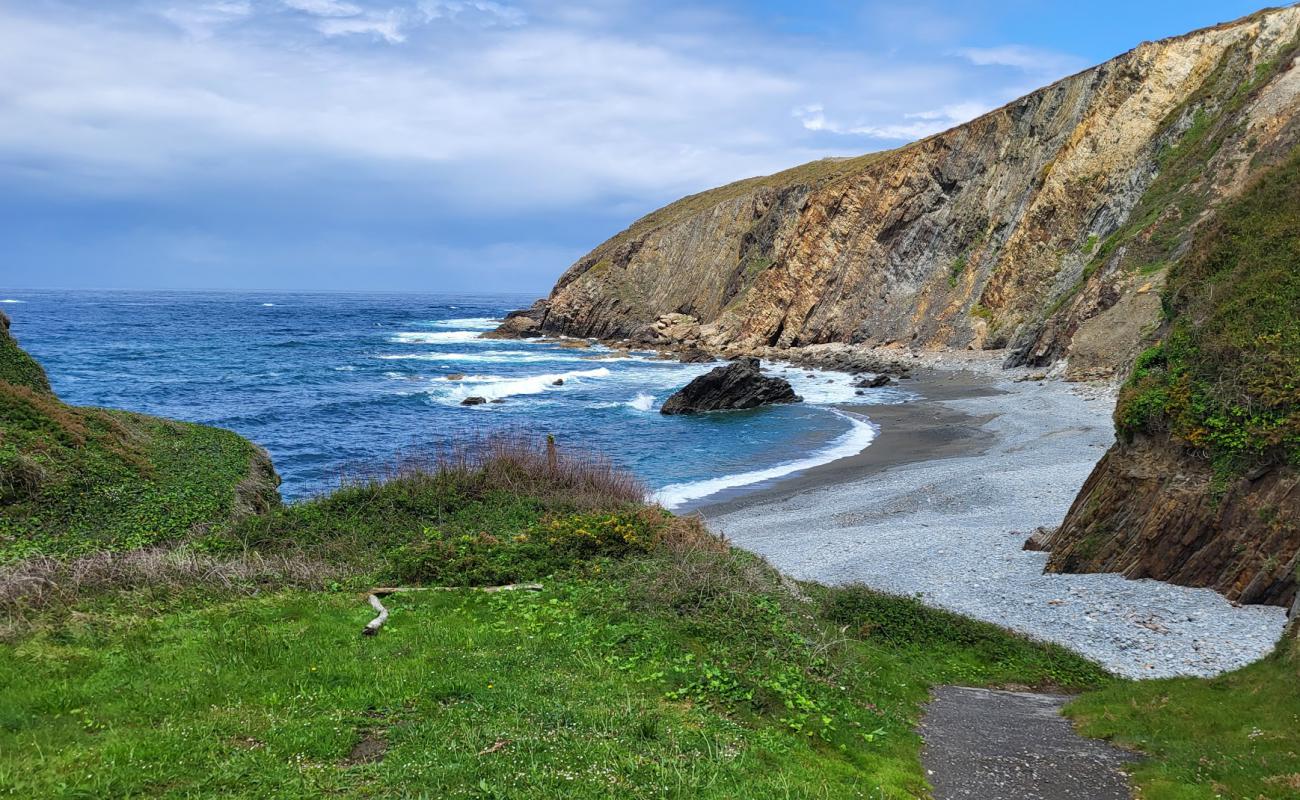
(1233, 736)
(16, 366)
(83, 480)
(955, 270)
(656, 661)
(1226, 379)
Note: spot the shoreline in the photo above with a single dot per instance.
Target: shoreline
(941, 511)
(924, 429)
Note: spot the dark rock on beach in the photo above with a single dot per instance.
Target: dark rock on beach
(473, 401)
(737, 385)
(872, 383)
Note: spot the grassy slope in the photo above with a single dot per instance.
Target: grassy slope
(656, 662)
(1226, 378)
(1236, 736)
(82, 480)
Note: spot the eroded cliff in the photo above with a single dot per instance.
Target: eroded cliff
(1203, 487)
(1044, 227)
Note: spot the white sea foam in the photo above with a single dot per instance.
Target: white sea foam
(12, 301)
(469, 323)
(268, 305)
(489, 356)
(491, 387)
(642, 401)
(345, 368)
(851, 442)
(438, 337)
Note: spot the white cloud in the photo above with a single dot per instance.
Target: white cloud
(484, 10)
(387, 26)
(201, 20)
(473, 105)
(1031, 60)
(324, 8)
(915, 125)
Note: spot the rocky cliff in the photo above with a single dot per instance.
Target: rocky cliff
(1044, 227)
(1140, 219)
(1203, 487)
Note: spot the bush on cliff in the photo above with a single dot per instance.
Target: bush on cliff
(1225, 381)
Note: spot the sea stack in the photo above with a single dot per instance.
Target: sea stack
(737, 385)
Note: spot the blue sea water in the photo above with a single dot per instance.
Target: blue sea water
(336, 383)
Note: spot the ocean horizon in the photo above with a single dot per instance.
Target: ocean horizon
(339, 384)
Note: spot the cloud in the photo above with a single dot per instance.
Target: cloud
(201, 20)
(387, 26)
(324, 8)
(1031, 60)
(915, 125)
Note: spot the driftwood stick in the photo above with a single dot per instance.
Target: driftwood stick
(384, 591)
(375, 624)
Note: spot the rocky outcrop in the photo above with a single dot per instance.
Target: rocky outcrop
(75, 480)
(1042, 227)
(1148, 511)
(1203, 487)
(736, 386)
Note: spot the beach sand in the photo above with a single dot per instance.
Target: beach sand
(940, 505)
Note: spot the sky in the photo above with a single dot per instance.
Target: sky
(466, 145)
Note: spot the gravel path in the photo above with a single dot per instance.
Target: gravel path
(951, 531)
(989, 745)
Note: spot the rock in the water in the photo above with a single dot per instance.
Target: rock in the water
(473, 401)
(558, 382)
(518, 325)
(873, 383)
(696, 355)
(456, 376)
(737, 385)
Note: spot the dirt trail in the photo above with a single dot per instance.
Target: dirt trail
(993, 745)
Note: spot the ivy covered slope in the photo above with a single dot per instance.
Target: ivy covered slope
(81, 480)
(1202, 487)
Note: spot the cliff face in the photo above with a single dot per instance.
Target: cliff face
(1149, 511)
(1204, 485)
(1043, 227)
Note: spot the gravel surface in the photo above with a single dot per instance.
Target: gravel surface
(951, 531)
(982, 744)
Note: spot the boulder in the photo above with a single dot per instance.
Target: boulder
(737, 385)
(473, 401)
(456, 376)
(518, 325)
(1040, 541)
(558, 382)
(873, 383)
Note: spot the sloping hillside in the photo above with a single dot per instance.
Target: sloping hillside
(80, 480)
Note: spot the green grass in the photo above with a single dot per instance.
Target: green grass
(16, 366)
(602, 685)
(81, 480)
(1229, 737)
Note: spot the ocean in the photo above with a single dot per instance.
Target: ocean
(337, 384)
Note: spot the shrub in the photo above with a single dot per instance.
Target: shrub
(1226, 380)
